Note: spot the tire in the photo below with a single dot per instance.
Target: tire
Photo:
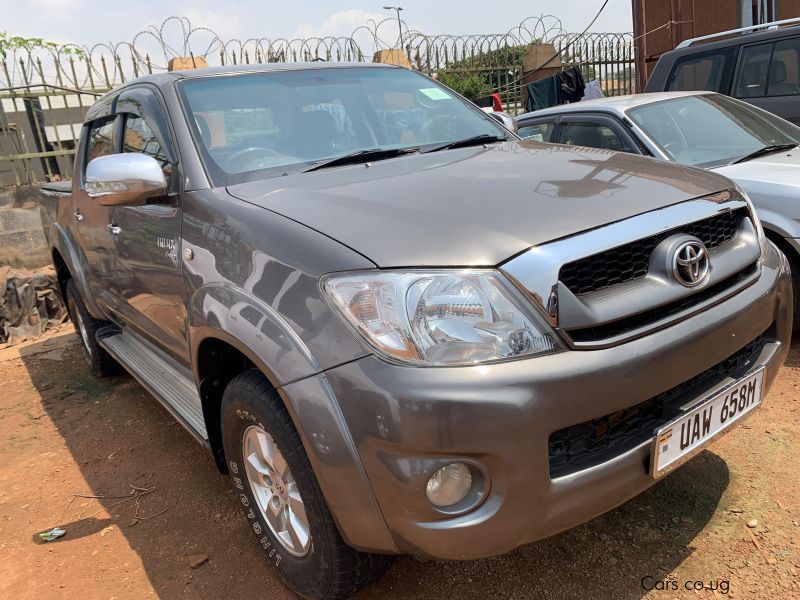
(321, 566)
(100, 362)
(794, 265)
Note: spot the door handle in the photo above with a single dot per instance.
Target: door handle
(77, 215)
(115, 229)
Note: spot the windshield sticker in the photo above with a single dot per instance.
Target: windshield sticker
(436, 94)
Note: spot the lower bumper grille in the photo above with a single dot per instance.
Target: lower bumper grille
(591, 443)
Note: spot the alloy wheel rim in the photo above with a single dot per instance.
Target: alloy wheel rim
(275, 491)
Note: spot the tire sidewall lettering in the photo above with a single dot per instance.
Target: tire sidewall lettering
(273, 551)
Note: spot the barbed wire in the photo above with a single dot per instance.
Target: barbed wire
(106, 64)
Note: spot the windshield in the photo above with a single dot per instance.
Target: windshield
(711, 130)
(257, 125)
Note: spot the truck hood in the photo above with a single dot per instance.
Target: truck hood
(475, 206)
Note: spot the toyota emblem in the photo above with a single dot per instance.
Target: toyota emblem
(690, 264)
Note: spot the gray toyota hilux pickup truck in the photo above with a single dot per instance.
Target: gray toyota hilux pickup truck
(398, 328)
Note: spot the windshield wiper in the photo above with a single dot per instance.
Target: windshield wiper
(476, 140)
(361, 156)
(764, 151)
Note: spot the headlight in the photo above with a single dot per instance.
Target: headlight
(439, 317)
(762, 238)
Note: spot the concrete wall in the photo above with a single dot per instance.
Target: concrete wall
(23, 211)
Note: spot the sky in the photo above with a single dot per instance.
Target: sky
(87, 22)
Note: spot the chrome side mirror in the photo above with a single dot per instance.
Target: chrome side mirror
(129, 179)
(505, 119)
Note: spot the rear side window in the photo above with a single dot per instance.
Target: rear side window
(592, 135)
(100, 140)
(707, 71)
(751, 80)
(784, 71)
(540, 132)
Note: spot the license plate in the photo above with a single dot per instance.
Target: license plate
(686, 435)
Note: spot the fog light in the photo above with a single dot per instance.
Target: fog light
(449, 485)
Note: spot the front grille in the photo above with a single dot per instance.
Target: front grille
(630, 261)
(599, 333)
(587, 444)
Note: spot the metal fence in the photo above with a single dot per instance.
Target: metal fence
(46, 90)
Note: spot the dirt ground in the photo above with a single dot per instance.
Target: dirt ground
(65, 437)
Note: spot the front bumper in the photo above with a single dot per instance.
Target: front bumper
(405, 422)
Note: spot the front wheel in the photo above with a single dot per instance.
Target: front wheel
(794, 264)
(281, 498)
(794, 267)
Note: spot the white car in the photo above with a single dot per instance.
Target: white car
(754, 148)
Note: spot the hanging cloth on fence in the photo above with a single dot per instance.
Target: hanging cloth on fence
(541, 94)
(561, 88)
(593, 90)
(571, 85)
(492, 101)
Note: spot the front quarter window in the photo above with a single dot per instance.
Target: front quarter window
(256, 125)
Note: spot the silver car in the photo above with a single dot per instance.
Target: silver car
(754, 148)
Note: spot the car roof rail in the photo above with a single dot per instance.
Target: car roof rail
(748, 29)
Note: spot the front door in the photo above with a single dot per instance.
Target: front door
(148, 280)
(595, 131)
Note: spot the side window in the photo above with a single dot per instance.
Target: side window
(592, 135)
(784, 72)
(139, 137)
(751, 79)
(100, 140)
(144, 127)
(540, 132)
(705, 72)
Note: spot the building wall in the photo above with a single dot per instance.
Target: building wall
(669, 22)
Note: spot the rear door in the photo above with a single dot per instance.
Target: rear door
(768, 76)
(148, 281)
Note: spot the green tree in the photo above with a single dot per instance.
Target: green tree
(470, 85)
(477, 76)
(10, 43)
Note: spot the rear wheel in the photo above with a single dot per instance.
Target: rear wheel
(86, 326)
(281, 498)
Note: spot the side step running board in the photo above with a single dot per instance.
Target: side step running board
(171, 386)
